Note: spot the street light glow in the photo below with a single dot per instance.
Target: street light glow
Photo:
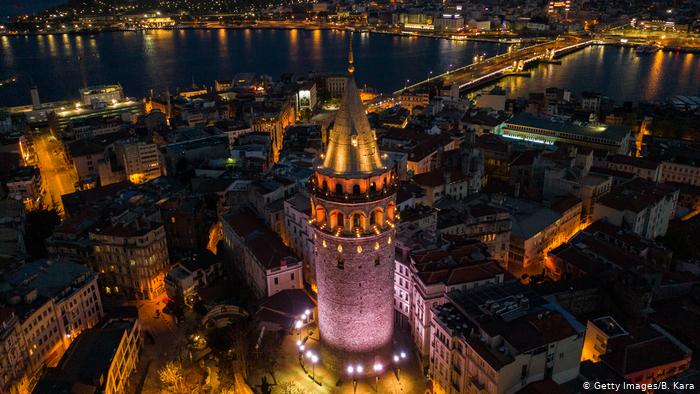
(396, 358)
(298, 324)
(378, 367)
(351, 369)
(359, 369)
(403, 354)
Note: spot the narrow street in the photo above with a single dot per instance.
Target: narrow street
(58, 177)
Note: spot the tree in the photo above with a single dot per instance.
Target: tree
(288, 387)
(40, 225)
(172, 376)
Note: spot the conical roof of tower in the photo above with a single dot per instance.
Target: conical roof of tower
(352, 147)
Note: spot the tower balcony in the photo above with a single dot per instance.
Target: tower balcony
(355, 231)
(354, 197)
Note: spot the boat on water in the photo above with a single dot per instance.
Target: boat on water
(8, 81)
(646, 49)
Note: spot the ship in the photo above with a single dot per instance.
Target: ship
(8, 81)
(646, 49)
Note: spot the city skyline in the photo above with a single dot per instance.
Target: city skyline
(424, 198)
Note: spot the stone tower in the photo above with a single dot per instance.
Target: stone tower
(353, 204)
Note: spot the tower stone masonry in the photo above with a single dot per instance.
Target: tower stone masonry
(353, 202)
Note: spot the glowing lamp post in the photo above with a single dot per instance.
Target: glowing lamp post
(298, 324)
(314, 359)
(377, 367)
(351, 372)
(398, 358)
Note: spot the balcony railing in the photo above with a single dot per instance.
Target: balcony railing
(330, 195)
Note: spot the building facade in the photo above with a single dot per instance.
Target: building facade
(132, 258)
(48, 305)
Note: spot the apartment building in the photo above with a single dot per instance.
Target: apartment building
(131, 255)
(100, 360)
(499, 338)
(47, 304)
(259, 254)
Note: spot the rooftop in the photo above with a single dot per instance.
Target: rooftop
(86, 362)
(611, 132)
(352, 146)
(265, 244)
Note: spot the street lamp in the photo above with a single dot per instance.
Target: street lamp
(397, 359)
(314, 359)
(378, 367)
(351, 372)
(298, 324)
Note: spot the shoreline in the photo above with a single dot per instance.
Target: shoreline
(361, 30)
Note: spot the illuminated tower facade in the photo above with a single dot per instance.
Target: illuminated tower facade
(353, 201)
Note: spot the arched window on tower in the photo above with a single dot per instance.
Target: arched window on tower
(356, 220)
(324, 186)
(339, 188)
(341, 263)
(373, 187)
(340, 220)
(355, 189)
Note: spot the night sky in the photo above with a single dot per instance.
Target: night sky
(14, 7)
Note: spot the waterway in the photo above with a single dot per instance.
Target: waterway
(156, 59)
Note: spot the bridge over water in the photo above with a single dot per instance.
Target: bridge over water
(488, 70)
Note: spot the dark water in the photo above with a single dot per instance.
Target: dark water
(156, 59)
(619, 73)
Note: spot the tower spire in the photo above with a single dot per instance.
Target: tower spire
(351, 59)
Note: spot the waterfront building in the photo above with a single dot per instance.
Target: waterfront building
(131, 254)
(335, 85)
(559, 8)
(127, 110)
(100, 360)
(449, 23)
(547, 131)
(353, 207)
(94, 95)
(46, 305)
(306, 97)
(412, 99)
